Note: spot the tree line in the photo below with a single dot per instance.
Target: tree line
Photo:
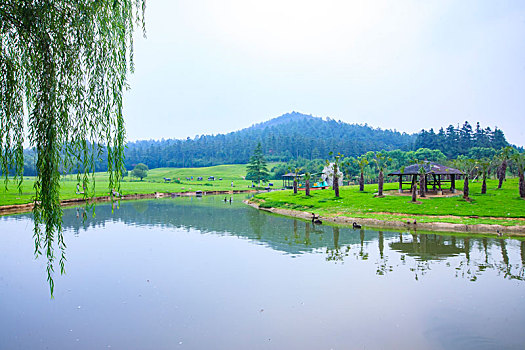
(454, 141)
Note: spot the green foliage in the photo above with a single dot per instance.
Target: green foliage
(65, 63)
(257, 167)
(140, 170)
(461, 140)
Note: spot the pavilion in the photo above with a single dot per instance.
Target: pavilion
(288, 179)
(435, 175)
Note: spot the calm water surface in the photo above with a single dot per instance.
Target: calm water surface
(199, 273)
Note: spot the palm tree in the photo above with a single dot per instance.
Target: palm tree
(335, 164)
(362, 162)
(519, 161)
(307, 177)
(484, 165)
(467, 165)
(503, 156)
(422, 178)
(295, 172)
(381, 161)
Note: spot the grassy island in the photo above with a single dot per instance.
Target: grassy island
(496, 207)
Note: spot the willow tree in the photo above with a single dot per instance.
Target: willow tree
(63, 68)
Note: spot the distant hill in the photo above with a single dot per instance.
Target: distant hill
(293, 135)
(288, 136)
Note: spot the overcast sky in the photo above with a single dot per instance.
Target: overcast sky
(211, 67)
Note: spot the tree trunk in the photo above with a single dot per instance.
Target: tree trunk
(336, 186)
(307, 187)
(465, 187)
(400, 183)
(422, 186)
(501, 173)
(295, 186)
(484, 184)
(453, 183)
(362, 182)
(380, 185)
(522, 185)
(414, 193)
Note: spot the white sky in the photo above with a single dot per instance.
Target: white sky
(211, 67)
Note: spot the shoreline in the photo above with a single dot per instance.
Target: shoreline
(24, 208)
(424, 226)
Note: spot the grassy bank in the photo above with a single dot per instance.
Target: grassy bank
(154, 182)
(503, 206)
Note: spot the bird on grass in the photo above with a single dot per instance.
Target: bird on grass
(356, 225)
(499, 233)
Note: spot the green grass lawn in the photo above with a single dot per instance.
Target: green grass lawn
(504, 203)
(154, 182)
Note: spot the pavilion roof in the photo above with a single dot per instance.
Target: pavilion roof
(430, 168)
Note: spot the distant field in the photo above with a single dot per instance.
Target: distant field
(503, 204)
(154, 182)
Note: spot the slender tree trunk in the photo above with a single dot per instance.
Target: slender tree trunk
(380, 185)
(336, 186)
(362, 182)
(295, 186)
(307, 187)
(453, 183)
(414, 193)
(501, 173)
(484, 184)
(465, 187)
(422, 186)
(522, 185)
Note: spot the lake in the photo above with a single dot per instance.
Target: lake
(201, 273)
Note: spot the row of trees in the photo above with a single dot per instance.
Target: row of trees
(454, 141)
(380, 162)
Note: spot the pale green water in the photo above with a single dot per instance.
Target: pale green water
(198, 273)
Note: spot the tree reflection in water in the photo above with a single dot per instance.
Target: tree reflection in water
(467, 257)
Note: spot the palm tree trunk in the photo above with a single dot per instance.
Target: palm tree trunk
(465, 187)
(307, 187)
(484, 185)
(422, 186)
(336, 186)
(501, 173)
(380, 185)
(414, 193)
(362, 182)
(522, 185)
(295, 186)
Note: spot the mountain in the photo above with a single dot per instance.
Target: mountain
(288, 136)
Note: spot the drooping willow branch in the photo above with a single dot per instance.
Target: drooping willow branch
(63, 68)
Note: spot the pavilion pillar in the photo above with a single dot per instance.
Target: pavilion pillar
(400, 183)
(453, 183)
(440, 191)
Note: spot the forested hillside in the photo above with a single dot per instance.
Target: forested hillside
(289, 136)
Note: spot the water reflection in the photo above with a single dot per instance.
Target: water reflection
(175, 271)
(466, 256)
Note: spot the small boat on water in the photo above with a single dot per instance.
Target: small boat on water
(198, 193)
